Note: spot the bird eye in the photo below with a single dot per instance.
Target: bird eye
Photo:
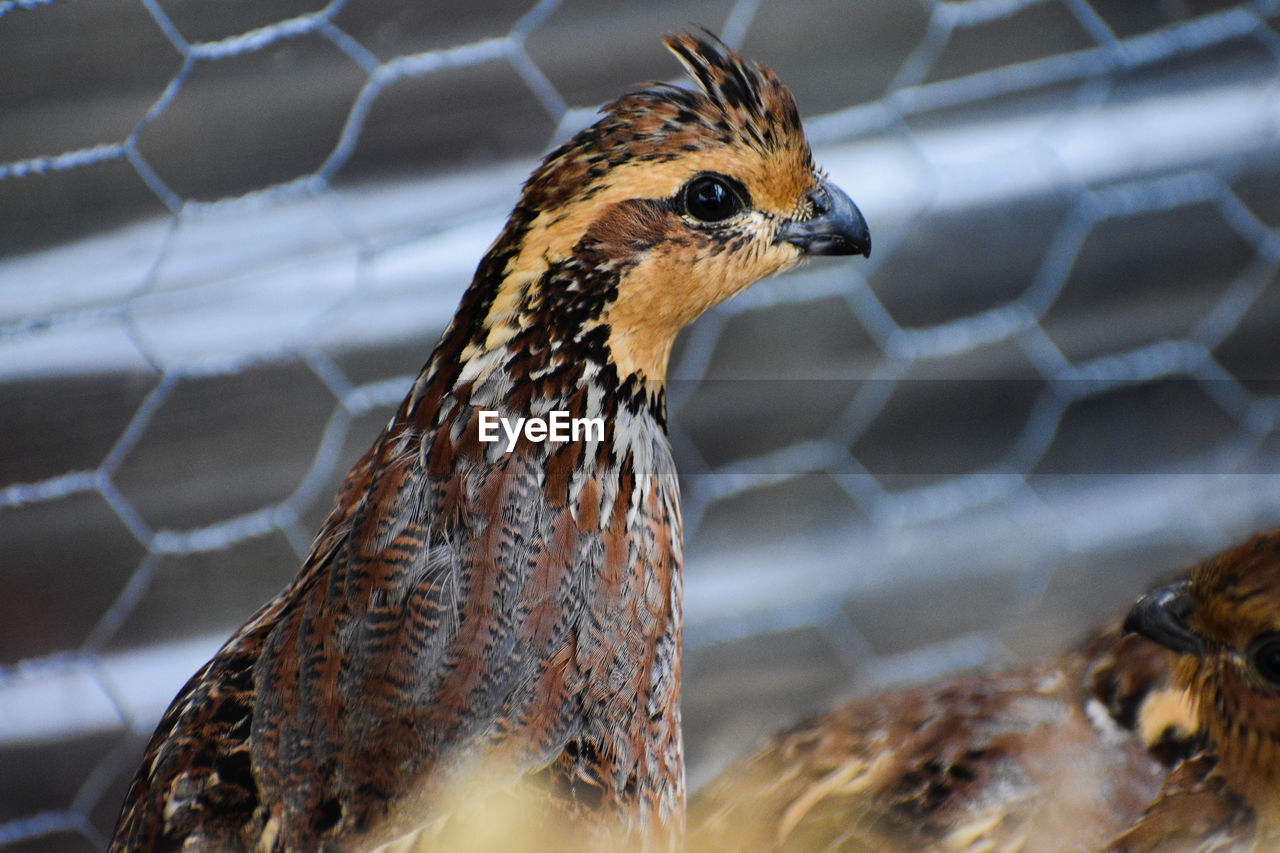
(1264, 655)
(709, 198)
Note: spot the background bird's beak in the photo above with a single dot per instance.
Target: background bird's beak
(1161, 615)
(836, 229)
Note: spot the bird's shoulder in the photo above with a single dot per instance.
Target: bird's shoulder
(195, 784)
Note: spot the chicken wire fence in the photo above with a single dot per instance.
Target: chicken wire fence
(231, 233)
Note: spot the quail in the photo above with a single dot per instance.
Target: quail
(511, 610)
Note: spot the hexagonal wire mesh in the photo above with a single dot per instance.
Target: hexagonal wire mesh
(1056, 378)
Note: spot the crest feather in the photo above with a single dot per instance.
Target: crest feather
(736, 105)
(747, 93)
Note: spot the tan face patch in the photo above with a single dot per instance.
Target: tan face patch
(774, 190)
(673, 285)
(675, 281)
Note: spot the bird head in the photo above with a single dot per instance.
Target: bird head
(673, 201)
(1225, 623)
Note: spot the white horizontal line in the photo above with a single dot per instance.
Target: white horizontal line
(53, 698)
(293, 260)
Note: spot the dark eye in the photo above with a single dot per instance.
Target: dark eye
(709, 198)
(1264, 654)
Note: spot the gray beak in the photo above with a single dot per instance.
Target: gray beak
(837, 228)
(1161, 615)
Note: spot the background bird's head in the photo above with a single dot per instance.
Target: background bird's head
(1225, 622)
(672, 202)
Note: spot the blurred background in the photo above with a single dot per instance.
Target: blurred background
(231, 232)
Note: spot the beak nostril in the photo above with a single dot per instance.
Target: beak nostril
(834, 227)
